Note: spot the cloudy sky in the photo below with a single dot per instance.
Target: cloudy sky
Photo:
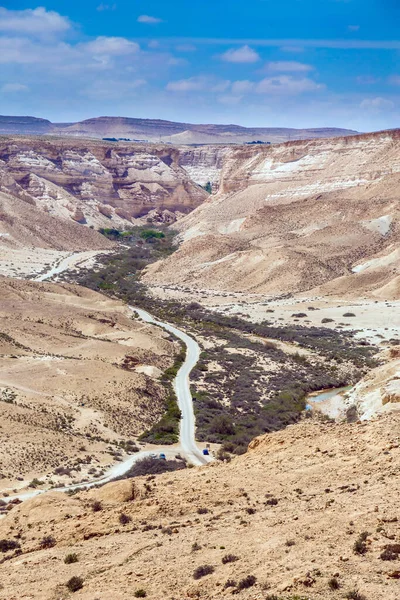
(297, 63)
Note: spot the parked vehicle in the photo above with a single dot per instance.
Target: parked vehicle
(162, 456)
(206, 452)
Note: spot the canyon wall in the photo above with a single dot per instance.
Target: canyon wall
(318, 214)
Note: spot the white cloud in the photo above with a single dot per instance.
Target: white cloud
(287, 85)
(38, 21)
(376, 104)
(367, 79)
(288, 66)
(394, 80)
(103, 7)
(110, 46)
(12, 88)
(148, 20)
(294, 49)
(245, 54)
(177, 62)
(113, 89)
(186, 48)
(242, 87)
(198, 84)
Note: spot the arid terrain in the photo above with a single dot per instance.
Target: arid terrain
(285, 273)
(78, 376)
(157, 130)
(320, 215)
(308, 513)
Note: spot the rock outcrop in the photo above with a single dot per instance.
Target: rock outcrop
(318, 215)
(100, 182)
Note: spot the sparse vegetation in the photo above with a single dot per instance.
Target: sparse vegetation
(71, 558)
(48, 542)
(152, 466)
(97, 506)
(354, 595)
(229, 558)
(334, 583)
(247, 582)
(7, 545)
(140, 593)
(203, 571)
(124, 519)
(74, 584)
(360, 546)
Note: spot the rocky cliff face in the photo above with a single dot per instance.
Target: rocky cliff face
(298, 216)
(98, 183)
(204, 164)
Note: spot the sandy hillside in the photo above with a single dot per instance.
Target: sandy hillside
(312, 215)
(70, 381)
(305, 509)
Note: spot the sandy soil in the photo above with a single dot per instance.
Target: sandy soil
(290, 510)
(70, 380)
(30, 263)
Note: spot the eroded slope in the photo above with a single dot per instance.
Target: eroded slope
(295, 217)
(291, 511)
(76, 373)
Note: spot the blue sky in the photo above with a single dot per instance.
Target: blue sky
(293, 63)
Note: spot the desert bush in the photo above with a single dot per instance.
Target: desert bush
(7, 545)
(202, 571)
(349, 314)
(124, 519)
(360, 546)
(97, 506)
(48, 542)
(272, 501)
(246, 582)
(195, 547)
(202, 511)
(228, 558)
(229, 583)
(152, 466)
(334, 583)
(354, 595)
(388, 554)
(140, 594)
(71, 558)
(74, 584)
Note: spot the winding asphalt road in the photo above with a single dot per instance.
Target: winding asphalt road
(182, 389)
(188, 447)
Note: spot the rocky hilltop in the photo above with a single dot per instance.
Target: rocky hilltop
(157, 130)
(318, 215)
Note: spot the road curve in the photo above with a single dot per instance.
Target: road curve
(188, 447)
(182, 389)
